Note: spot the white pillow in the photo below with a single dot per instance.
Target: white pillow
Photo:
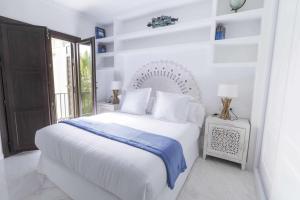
(135, 101)
(171, 106)
(196, 113)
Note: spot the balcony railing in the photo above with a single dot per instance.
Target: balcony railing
(63, 110)
(62, 106)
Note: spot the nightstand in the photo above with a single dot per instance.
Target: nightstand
(106, 107)
(227, 139)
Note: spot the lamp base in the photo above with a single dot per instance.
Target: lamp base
(225, 115)
(115, 99)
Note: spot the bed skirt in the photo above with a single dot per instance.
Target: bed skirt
(79, 188)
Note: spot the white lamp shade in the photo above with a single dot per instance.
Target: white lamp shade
(229, 91)
(116, 85)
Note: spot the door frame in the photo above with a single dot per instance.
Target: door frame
(74, 40)
(91, 41)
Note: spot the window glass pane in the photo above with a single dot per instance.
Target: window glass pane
(63, 79)
(86, 83)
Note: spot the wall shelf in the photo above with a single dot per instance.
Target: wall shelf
(105, 40)
(239, 53)
(175, 47)
(238, 41)
(194, 30)
(240, 16)
(166, 30)
(105, 55)
(235, 65)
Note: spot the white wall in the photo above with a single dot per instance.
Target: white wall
(47, 13)
(279, 163)
(262, 78)
(207, 76)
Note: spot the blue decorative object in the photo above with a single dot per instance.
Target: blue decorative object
(168, 149)
(162, 21)
(220, 32)
(101, 48)
(99, 32)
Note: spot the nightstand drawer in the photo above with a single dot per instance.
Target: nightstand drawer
(226, 141)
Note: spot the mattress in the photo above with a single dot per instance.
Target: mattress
(127, 172)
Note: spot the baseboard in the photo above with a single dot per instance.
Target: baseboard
(259, 186)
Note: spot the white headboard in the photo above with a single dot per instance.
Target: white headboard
(165, 76)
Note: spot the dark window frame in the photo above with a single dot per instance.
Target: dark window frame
(91, 41)
(74, 40)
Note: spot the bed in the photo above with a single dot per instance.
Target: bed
(89, 167)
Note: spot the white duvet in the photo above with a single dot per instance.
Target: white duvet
(125, 171)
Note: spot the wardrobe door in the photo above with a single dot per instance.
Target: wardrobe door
(25, 83)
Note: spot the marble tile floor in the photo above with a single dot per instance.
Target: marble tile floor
(210, 179)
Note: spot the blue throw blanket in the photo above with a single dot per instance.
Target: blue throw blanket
(168, 149)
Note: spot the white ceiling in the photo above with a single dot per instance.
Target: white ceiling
(105, 10)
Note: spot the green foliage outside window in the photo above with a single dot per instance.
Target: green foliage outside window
(86, 90)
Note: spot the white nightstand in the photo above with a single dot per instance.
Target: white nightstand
(227, 139)
(106, 107)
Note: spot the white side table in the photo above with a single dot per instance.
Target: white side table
(103, 107)
(227, 139)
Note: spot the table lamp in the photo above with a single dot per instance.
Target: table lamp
(115, 86)
(227, 93)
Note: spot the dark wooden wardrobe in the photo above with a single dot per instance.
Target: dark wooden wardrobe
(24, 96)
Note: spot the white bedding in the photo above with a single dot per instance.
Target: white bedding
(125, 171)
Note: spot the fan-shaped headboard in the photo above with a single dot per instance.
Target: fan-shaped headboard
(165, 76)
